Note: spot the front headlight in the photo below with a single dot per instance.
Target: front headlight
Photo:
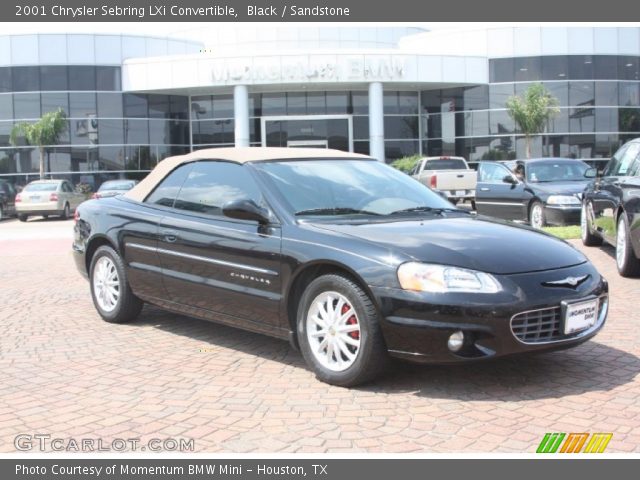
(563, 200)
(425, 277)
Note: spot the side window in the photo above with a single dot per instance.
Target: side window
(627, 160)
(634, 169)
(66, 188)
(492, 173)
(212, 184)
(622, 160)
(612, 165)
(483, 171)
(166, 193)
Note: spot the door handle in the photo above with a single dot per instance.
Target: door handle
(170, 235)
(485, 189)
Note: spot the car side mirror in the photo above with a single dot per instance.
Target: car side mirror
(245, 209)
(509, 179)
(591, 173)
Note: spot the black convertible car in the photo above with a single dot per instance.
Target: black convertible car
(540, 191)
(349, 259)
(611, 208)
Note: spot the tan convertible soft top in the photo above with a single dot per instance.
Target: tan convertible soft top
(237, 155)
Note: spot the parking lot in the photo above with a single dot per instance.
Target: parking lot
(65, 372)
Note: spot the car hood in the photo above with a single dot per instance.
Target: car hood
(560, 188)
(476, 243)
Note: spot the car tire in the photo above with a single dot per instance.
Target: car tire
(354, 349)
(115, 302)
(1, 213)
(66, 212)
(626, 261)
(23, 218)
(587, 236)
(536, 215)
(455, 201)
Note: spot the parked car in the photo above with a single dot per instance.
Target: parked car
(7, 199)
(547, 191)
(47, 197)
(450, 175)
(348, 258)
(111, 188)
(611, 208)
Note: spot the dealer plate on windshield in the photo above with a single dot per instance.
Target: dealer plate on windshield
(580, 316)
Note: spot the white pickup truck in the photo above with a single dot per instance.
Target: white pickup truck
(449, 175)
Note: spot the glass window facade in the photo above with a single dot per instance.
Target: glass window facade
(115, 133)
(598, 96)
(110, 134)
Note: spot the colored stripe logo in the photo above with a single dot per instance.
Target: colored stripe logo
(574, 443)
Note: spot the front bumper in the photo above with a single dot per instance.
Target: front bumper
(562, 215)
(417, 326)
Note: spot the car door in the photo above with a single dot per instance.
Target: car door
(139, 234)
(64, 196)
(7, 197)
(631, 203)
(497, 198)
(215, 263)
(608, 190)
(76, 196)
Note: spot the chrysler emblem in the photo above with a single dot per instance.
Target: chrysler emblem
(571, 282)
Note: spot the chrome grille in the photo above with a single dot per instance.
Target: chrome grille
(537, 326)
(544, 325)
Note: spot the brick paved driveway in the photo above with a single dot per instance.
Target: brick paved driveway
(66, 373)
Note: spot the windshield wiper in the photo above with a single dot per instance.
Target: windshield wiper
(428, 209)
(335, 211)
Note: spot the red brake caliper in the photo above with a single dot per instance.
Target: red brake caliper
(352, 321)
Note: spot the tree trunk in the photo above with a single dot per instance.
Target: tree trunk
(41, 163)
(527, 139)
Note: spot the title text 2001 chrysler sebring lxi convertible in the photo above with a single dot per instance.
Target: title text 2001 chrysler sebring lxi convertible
(349, 259)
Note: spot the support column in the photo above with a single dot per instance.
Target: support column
(241, 114)
(376, 121)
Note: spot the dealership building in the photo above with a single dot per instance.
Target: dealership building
(384, 91)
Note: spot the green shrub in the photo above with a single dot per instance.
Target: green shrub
(406, 164)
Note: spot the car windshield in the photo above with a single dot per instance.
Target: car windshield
(127, 185)
(41, 187)
(349, 187)
(556, 171)
(445, 164)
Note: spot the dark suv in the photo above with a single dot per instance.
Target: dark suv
(7, 199)
(611, 208)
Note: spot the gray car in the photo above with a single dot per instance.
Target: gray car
(47, 197)
(112, 188)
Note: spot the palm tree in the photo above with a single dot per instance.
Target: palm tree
(532, 111)
(44, 132)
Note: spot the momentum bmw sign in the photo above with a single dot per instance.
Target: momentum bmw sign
(352, 68)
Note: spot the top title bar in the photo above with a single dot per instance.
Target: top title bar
(318, 11)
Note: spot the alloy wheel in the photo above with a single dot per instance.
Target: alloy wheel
(106, 284)
(584, 222)
(621, 244)
(536, 216)
(333, 331)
